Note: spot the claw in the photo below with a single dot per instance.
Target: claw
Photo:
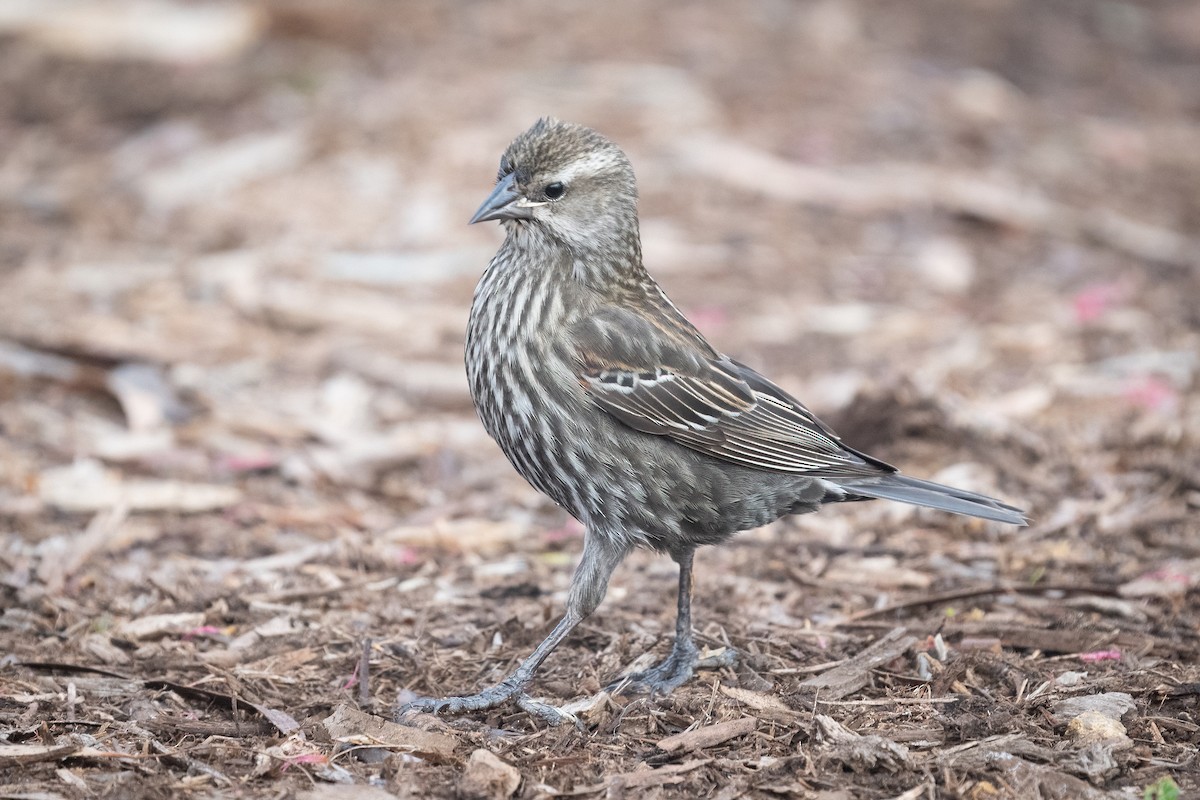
(551, 715)
(492, 698)
(421, 705)
(717, 659)
(673, 672)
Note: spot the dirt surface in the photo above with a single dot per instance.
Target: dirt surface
(245, 502)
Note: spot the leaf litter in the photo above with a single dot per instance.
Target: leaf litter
(247, 506)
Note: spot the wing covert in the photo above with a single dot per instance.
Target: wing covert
(658, 384)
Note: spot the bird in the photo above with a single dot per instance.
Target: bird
(605, 398)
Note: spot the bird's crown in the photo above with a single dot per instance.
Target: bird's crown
(565, 150)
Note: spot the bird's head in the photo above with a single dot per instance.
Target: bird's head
(568, 182)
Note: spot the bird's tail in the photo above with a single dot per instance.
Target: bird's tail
(934, 495)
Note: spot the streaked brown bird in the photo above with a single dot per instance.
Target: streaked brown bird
(604, 397)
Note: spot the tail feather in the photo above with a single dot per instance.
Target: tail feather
(934, 495)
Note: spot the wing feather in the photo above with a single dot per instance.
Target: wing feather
(663, 386)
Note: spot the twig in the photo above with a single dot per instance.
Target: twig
(855, 673)
(893, 701)
(708, 736)
(364, 674)
(966, 594)
(189, 763)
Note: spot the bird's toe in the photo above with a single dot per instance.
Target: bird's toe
(673, 672)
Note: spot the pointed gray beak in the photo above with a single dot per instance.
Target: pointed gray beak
(502, 203)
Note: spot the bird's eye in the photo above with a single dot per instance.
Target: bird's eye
(555, 190)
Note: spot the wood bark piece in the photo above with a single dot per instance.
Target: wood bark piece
(488, 777)
(856, 673)
(708, 736)
(768, 706)
(351, 726)
(861, 752)
(1067, 640)
(647, 778)
(14, 754)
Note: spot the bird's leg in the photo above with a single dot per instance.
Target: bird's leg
(601, 555)
(509, 688)
(683, 659)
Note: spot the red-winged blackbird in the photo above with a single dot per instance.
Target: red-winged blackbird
(604, 397)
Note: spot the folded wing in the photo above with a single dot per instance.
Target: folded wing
(658, 382)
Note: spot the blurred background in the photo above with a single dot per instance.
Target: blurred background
(235, 272)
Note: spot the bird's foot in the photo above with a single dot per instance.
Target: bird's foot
(551, 715)
(494, 697)
(674, 671)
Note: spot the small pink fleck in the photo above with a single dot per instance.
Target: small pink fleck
(309, 758)
(709, 318)
(407, 556)
(1100, 655)
(565, 532)
(1093, 301)
(306, 758)
(203, 630)
(1151, 392)
(252, 462)
(1167, 575)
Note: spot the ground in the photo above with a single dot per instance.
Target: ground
(245, 504)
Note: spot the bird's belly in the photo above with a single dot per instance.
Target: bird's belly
(645, 488)
(642, 488)
(533, 426)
